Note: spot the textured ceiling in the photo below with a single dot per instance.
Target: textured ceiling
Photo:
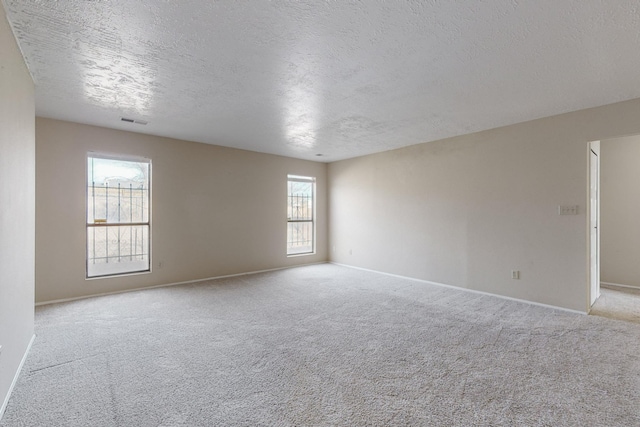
(340, 78)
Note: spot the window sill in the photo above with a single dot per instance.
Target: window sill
(300, 255)
(111, 276)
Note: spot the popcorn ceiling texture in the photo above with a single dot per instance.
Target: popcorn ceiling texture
(324, 345)
(298, 78)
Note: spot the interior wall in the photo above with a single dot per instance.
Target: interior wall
(17, 208)
(468, 210)
(620, 211)
(215, 211)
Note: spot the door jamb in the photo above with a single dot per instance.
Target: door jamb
(590, 145)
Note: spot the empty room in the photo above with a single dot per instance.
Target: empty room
(319, 213)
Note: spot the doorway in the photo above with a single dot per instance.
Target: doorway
(614, 229)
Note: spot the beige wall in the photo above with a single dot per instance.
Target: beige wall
(215, 211)
(17, 208)
(467, 210)
(620, 211)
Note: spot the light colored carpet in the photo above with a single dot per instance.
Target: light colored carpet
(324, 345)
(618, 303)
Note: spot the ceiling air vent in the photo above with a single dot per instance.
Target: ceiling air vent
(140, 122)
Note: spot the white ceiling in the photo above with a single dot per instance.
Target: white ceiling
(338, 78)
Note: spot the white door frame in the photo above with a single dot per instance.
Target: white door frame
(593, 230)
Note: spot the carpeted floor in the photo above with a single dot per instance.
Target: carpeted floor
(618, 303)
(324, 345)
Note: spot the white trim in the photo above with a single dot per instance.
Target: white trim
(593, 147)
(111, 276)
(122, 157)
(301, 255)
(618, 285)
(15, 377)
(174, 284)
(148, 223)
(311, 180)
(463, 289)
(300, 178)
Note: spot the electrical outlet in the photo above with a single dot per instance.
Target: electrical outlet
(515, 274)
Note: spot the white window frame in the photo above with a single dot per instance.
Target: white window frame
(140, 267)
(312, 220)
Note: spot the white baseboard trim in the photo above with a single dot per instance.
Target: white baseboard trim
(618, 285)
(174, 284)
(15, 377)
(539, 304)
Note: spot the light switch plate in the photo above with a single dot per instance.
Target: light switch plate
(568, 210)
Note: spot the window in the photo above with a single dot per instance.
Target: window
(118, 215)
(300, 215)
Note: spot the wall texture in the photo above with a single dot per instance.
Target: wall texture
(620, 211)
(215, 211)
(465, 211)
(17, 208)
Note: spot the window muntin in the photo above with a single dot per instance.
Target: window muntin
(118, 215)
(300, 215)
